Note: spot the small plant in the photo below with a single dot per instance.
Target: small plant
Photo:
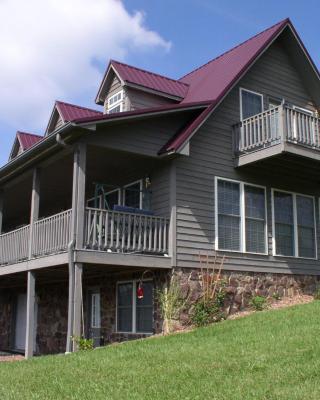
(316, 296)
(258, 303)
(206, 313)
(276, 296)
(82, 343)
(170, 302)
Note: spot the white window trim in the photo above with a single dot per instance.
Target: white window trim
(117, 103)
(295, 225)
(249, 91)
(242, 217)
(130, 184)
(96, 325)
(134, 307)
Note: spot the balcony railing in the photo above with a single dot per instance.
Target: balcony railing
(104, 231)
(14, 246)
(274, 126)
(51, 235)
(126, 232)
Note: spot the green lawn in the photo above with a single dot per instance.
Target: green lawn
(268, 355)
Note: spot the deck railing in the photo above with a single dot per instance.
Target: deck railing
(271, 127)
(14, 246)
(51, 235)
(126, 232)
(104, 230)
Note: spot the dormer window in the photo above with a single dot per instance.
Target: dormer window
(115, 103)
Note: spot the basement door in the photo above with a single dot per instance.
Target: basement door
(95, 316)
(21, 323)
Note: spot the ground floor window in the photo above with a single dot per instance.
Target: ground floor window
(134, 314)
(240, 217)
(294, 224)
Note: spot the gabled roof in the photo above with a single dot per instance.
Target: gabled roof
(27, 140)
(69, 112)
(212, 80)
(23, 142)
(144, 80)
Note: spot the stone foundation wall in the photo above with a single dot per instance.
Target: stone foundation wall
(240, 287)
(52, 321)
(7, 304)
(52, 301)
(108, 287)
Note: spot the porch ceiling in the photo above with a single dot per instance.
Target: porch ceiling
(116, 167)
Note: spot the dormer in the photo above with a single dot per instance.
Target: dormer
(23, 141)
(65, 112)
(126, 88)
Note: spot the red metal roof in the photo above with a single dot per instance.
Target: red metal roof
(70, 112)
(213, 80)
(150, 80)
(210, 81)
(28, 140)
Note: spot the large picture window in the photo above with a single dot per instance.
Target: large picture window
(240, 217)
(134, 315)
(294, 225)
(251, 103)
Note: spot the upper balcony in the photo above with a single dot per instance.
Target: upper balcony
(279, 130)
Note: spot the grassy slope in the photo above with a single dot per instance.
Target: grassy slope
(268, 355)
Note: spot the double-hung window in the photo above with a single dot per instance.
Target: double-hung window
(251, 103)
(115, 103)
(134, 315)
(240, 217)
(294, 225)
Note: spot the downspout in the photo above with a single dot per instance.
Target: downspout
(71, 247)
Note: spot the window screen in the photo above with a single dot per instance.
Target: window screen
(255, 219)
(124, 307)
(132, 195)
(306, 228)
(228, 215)
(284, 223)
(144, 309)
(111, 199)
(251, 104)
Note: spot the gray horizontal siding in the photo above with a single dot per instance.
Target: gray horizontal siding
(138, 99)
(211, 155)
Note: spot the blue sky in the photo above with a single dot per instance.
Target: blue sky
(168, 37)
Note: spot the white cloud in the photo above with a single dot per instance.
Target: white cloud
(49, 49)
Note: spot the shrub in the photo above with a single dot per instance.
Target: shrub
(170, 302)
(83, 343)
(205, 313)
(316, 296)
(258, 303)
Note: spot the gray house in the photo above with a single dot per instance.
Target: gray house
(95, 214)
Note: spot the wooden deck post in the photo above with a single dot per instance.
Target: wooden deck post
(77, 321)
(81, 197)
(30, 325)
(78, 221)
(35, 203)
(173, 214)
(1, 209)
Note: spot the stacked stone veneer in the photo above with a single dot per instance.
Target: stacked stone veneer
(7, 305)
(52, 300)
(240, 287)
